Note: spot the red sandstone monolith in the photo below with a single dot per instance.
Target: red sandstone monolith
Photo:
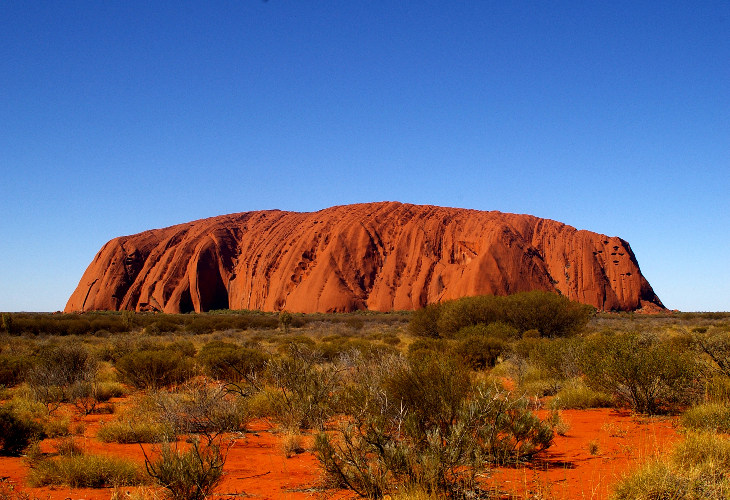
(378, 256)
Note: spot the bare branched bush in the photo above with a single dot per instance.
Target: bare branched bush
(715, 343)
(201, 407)
(154, 368)
(306, 387)
(62, 374)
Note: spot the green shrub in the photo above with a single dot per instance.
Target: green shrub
(497, 330)
(13, 369)
(307, 388)
(191, 474)
(641, 371)
(712, 417)
(424, 322)
(559, 358)
(86, 471)
(551, 314)
(334, 349)
(227, 361)
(428, 347)
(154, 368)
(302, 340)
(16, 433)
(696, 469)
(384, 449)
(480, 352)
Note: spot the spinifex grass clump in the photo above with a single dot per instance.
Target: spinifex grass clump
(712, 417)
(86, 471)
(422, 424)
(697, 468)
(188, 474)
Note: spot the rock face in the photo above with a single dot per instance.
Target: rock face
(378, 256)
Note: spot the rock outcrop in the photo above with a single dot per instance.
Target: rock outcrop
(378, 256)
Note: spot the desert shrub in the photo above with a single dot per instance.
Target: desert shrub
(424, 321)
(161, 326)
(56, 427)
(390, 339)
(302, 340)
(498, 330)
(285, 318)
(190, 474)
(13, 369)
(16, 433)
(227, 361)
(480, 352)
(641, 371)
(712, 417)
(333, 350)
(431, 389)
(576, 395)
(355, 323)
(154, 368)
(306, 387)
(696, 469)
(128, 432)
(551, 314)
(200, 407)
(108, 390)
(559, 358)
(718, 389)
(715, 343)
(428, 347)
(60, 372)
(86, 471)
(292, 443)
(6, 322)
(384, 448)
(184, 347)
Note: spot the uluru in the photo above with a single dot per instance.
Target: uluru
(373, 256)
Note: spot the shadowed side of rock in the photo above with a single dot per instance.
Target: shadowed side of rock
(378, 256)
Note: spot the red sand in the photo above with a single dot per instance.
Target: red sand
(256, 466)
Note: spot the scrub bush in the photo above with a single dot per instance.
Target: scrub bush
(230, 362)
(551, 314)
(16, 433)
(189, 474)
(420, 423)
(642, 371)
(151, 369)
(306, 387)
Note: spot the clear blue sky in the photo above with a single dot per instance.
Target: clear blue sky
(117, 117)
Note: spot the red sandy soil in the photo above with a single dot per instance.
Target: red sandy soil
(257, 468)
